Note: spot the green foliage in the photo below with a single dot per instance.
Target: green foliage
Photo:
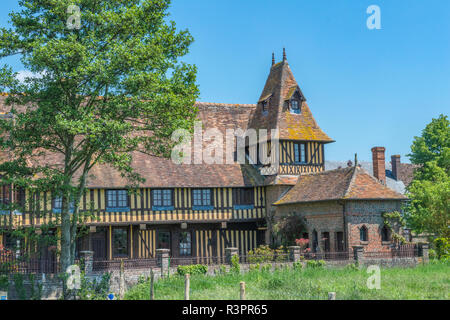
(442, 247)
(264, 253)
(221, 270)
(93, 289)
(288, 228)
(266, 267)
(298, 265)
(315, 264)
(395, 221)
(235, 266)
(260, 254)
(103, 92)
(426, 281)
(433, 145)
(192, 269)
(353, 266)
(35, 288)
(4, 282)
(429, 208)
(19, 286)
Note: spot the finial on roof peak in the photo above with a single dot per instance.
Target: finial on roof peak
(356, 159)
(284, 54)
(273, 58)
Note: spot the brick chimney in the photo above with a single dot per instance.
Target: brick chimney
(395, 162)
(379, 166)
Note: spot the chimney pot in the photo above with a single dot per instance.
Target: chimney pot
(379, 165)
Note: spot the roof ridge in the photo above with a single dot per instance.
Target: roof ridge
(352, 180)
(218, 104)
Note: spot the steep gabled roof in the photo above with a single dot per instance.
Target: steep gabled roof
(162, 172)
(352, 183)
(281, 86)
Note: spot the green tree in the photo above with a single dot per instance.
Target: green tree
(429, 192)
(432, 146)
(103, 90)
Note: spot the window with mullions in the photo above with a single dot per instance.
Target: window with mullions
(295, 106)
(117, 199)
(300, 152)
(185, 244)
(162, 199)
(57, 205)
(201, 199)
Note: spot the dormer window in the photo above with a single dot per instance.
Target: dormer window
(265, 107)
(295, 106)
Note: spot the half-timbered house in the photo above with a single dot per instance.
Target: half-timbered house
(197, 210)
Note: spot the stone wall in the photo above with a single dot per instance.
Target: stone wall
(52, 288)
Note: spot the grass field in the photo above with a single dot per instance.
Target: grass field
(423, 282)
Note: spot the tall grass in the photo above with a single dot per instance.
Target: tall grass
(423, 282)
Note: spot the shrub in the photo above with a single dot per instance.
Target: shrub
(93, 289)
(281, 254)
(352, 266)
(442, 248)
(4, 283)
(192, 269)
(302, 243)
(254, 267)
(260, 254)
(297, 265)
(235, 266)
(315, 263)
(266, 267)
(221, 270)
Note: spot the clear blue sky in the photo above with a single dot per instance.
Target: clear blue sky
(365, 87)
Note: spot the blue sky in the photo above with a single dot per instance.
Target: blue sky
(365, 87)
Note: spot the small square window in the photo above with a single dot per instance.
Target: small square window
(295, 106)
(117, 199)
(201, 197)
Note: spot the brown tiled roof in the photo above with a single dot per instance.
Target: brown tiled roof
(406, 172)
(351, 183)
(162, 172)
(281, 85)
(286, 180)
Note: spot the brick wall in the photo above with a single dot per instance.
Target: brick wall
(328, 217)
(368, 214)
(320, 216)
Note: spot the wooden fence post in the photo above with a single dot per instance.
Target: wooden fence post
(152, 283)
(331, 295)
(242, 290)
(187, 284)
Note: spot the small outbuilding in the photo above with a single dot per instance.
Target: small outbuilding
(341, 208)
